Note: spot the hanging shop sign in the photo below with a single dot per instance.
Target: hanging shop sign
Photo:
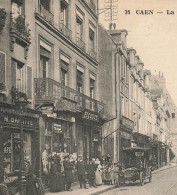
(47, 109)
(90, 115)
(57, 128)
(126, 135)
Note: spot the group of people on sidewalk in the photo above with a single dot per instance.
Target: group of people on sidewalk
(94, 173)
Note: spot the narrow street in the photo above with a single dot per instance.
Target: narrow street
(163, 183)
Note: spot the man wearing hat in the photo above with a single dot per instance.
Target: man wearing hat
(81, 172)
(91, 168)
(68, 167)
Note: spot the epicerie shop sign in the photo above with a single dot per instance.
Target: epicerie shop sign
(90, 116)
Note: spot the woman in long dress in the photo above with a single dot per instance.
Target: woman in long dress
(98, 173)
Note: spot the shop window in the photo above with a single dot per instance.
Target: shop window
(12, 149)
(18, 72)
(64, 12)
(79, 80)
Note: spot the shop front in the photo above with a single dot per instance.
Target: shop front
(126, 136)
(88, 132)
(141, 140)
(57, 139)
(126, 140)
(20, 143)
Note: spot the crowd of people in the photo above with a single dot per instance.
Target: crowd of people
(92, 174)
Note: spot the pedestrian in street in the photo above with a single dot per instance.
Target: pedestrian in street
(98, 173)
(68, 167)
(81, 172)
(91, 169)
(30, 178)
(56, 181)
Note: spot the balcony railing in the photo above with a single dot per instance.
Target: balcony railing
(80, 43)
(65, 30)
(127, 122)
(18, 26)
(93, 54)
(50, 90)
(46, 14)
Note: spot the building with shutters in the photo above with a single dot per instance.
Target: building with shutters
(134, 117)
(19, 121)
(50, 57)
(66, 77)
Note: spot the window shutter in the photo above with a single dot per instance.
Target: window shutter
(44, 52)
(2, 68)
(13, 78)
(64, 65)
(29, 82)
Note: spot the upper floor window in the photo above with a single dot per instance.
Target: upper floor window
(80, 79)
(92, 86)
(79, 25)
(16, 9)
(45, 4)
(45, 60)
(92, 37)
(18, 75)
(64, 69)
(64, 12)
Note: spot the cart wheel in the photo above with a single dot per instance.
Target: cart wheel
(141, 178)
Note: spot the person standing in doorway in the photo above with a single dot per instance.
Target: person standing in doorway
(68, 167)
(81, 172)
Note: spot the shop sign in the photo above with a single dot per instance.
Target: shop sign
(126, 135)
(90, 115)
(16, 119)
(57, 128)
(47, 109)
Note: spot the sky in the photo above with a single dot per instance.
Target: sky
(154, 37)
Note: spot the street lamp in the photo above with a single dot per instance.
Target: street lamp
(21, 106)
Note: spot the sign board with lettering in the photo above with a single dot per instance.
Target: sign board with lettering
(125, 135)
(57, 128)
(86, 114)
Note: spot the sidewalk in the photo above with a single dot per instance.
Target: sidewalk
(100, 189)
(171, 165)
(90, 191)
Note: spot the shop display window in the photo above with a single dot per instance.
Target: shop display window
(12, 148)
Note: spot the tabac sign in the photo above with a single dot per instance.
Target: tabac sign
(89, 115)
